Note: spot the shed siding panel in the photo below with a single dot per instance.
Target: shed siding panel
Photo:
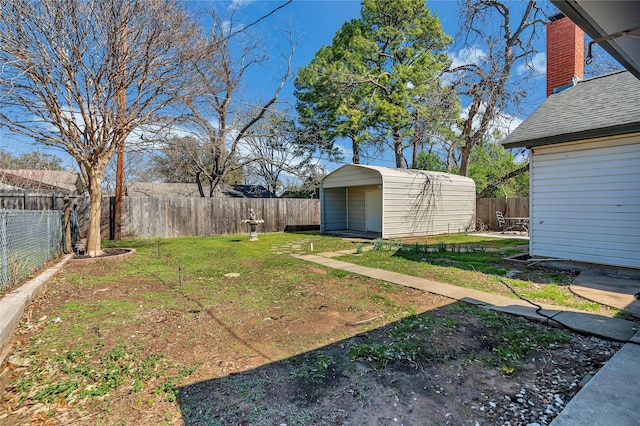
(356, 208)
(437, 205)
(415, 203)
(334, 204)
(585, 203)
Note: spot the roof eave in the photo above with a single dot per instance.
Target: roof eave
(574, 11)
(576, 136)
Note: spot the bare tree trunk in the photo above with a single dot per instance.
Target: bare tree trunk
(199, 182)
(451, 157)
(95, 208)
(416, 141)
(502, 179)
(356, 151)
(397, 148)
(464, 159)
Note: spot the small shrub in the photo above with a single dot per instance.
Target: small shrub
(378, 244)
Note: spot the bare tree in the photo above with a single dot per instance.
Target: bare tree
(507, 31)
(280, 149)
(66, 64)
(217, 116)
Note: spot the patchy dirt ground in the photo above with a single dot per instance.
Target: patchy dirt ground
(334, 349)
(456, 383)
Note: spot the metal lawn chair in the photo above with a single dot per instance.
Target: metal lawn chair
(501, 222)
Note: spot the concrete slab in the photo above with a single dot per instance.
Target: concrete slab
(610, 397)
(598, 325)
(610, 290)
(529, 312)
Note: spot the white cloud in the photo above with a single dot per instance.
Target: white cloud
(467, 55)
(503, 122)
(241, 3)
(537, 65)
(464, 56)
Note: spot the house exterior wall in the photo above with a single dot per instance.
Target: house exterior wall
(428, 204)
(585, 201)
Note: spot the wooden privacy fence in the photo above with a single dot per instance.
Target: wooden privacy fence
(166, 217)
(486, 209)
(32, 200)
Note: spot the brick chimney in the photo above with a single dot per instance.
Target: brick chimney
(565, 52)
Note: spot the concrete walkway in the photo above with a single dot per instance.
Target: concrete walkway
(609, 290)
(13, 304)
(609, 398)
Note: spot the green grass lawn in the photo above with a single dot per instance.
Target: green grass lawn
(132, 332)
(479, 263)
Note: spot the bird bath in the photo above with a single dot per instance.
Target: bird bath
(253, 223)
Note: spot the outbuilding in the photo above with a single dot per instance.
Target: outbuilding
(373, 201)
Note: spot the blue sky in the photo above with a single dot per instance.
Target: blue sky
(315, 22)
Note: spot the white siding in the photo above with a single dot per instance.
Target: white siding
(585, 202)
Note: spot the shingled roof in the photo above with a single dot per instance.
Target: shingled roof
(41, 180)
(153, 189)
(598, 107)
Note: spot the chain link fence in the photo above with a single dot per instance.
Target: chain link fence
(28, 240)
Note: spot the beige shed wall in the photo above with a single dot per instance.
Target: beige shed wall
(429, 204)
(415, 203)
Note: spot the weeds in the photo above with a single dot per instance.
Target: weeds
(510, 341)
(515, 338)
(378, 244)
(80, 374)
(312, 368)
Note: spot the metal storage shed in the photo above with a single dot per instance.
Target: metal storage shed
(391, 203)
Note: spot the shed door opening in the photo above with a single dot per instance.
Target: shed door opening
(373, 210)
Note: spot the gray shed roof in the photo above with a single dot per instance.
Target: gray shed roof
(598, 107)
(384, 173)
